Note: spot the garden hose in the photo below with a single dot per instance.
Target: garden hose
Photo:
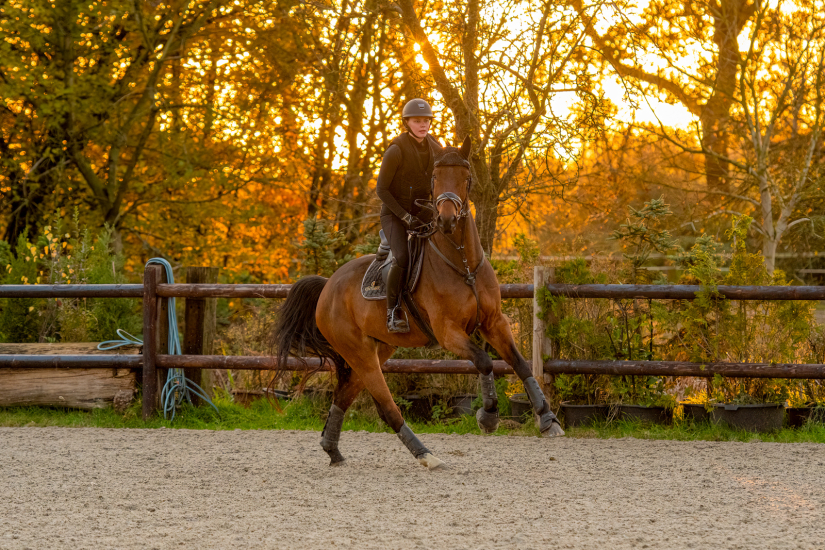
(177, 386)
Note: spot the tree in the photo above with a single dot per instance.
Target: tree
(780, 110)
(498, 68)
(694, 48)
(759, 111)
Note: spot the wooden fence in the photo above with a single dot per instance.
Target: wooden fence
(155, 293)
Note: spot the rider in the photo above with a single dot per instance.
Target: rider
(405, 175)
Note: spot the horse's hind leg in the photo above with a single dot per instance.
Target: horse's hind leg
(501, 338)
(369, 371)
(348, 388)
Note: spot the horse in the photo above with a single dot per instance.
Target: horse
(457, 294)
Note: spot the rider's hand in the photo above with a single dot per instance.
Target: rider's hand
(411, 221)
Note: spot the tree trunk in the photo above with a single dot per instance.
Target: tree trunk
(769, 246)
(486, 218)
(729, 18)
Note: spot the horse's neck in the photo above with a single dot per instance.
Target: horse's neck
(466, 234)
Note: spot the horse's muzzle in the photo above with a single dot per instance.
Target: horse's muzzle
(447, 223)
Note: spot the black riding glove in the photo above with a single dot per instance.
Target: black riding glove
(411, 221)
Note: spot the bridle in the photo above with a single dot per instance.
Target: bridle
(463, 208)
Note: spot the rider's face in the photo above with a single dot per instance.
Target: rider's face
(419, 126)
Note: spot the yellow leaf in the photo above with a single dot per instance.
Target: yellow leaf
(31, 308)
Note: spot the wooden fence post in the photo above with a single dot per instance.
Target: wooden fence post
(155, 337)
(151, 277)
(162, 331)
(199, 327)
(542, 345)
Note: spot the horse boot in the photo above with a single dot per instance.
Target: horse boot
(331, 435)
(549, 425)
(487, 416)
(396, 321)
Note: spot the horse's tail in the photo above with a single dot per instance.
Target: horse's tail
(296, 332)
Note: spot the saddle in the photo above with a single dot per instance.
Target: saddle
(374, 284)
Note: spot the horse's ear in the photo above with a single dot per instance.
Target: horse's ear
(465, 148)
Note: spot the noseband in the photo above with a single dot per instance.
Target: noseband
(453, 159)
(463, 209)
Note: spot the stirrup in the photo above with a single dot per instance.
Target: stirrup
(397, 323)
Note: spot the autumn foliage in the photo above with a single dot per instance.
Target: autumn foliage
(208, 131)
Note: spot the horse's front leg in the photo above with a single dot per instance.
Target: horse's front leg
(499, 335)
(456, 340)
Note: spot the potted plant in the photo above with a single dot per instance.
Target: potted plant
(643, 399)
(695, 407)
(582, 398)
(712, 329)
(752, 404)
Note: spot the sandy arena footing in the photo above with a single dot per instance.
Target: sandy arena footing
(100, 488)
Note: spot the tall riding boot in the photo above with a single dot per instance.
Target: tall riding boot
(396, 320)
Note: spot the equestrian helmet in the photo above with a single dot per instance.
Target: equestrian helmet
(417, 107)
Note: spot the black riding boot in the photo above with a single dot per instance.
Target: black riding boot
(396, 320)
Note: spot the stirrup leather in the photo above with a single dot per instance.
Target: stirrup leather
(397, 320)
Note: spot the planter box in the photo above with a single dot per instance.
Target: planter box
(520, 407)
(648, 415)
(246, 397)
(420, 407)
(318, 393)
(462, 404)
(798, 416)
(583, 415)
(764, 417)
(695, 412)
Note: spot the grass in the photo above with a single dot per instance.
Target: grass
(309, 414)
(689, 431)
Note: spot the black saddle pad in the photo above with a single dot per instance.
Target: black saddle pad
(374, 287)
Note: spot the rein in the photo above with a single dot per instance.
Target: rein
(469, 278)
(428, 230)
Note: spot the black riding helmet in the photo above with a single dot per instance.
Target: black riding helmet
(416, 107)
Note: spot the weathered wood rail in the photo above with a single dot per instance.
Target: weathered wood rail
(155, 293)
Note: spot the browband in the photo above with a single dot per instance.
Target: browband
(451, 158)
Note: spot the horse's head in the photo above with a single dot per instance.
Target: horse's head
(451, 185)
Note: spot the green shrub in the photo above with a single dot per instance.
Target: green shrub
(65, 256)
(706, 329)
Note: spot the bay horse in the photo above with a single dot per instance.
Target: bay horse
(457, 293)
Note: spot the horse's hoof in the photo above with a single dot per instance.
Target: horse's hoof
(341, 462)
(553, 431)
(430, 461)
(335, 457)
(487, 421)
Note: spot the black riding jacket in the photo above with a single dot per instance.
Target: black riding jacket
(406, 171)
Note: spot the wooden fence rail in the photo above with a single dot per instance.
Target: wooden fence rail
(155, 292)
(657, 292)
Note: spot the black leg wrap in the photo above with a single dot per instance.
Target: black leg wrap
(540, 405)
(487, 421)
(411, 442)
(487, 416)
(488, 392)
(332, 433)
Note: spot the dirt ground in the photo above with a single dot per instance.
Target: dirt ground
(97, 488)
